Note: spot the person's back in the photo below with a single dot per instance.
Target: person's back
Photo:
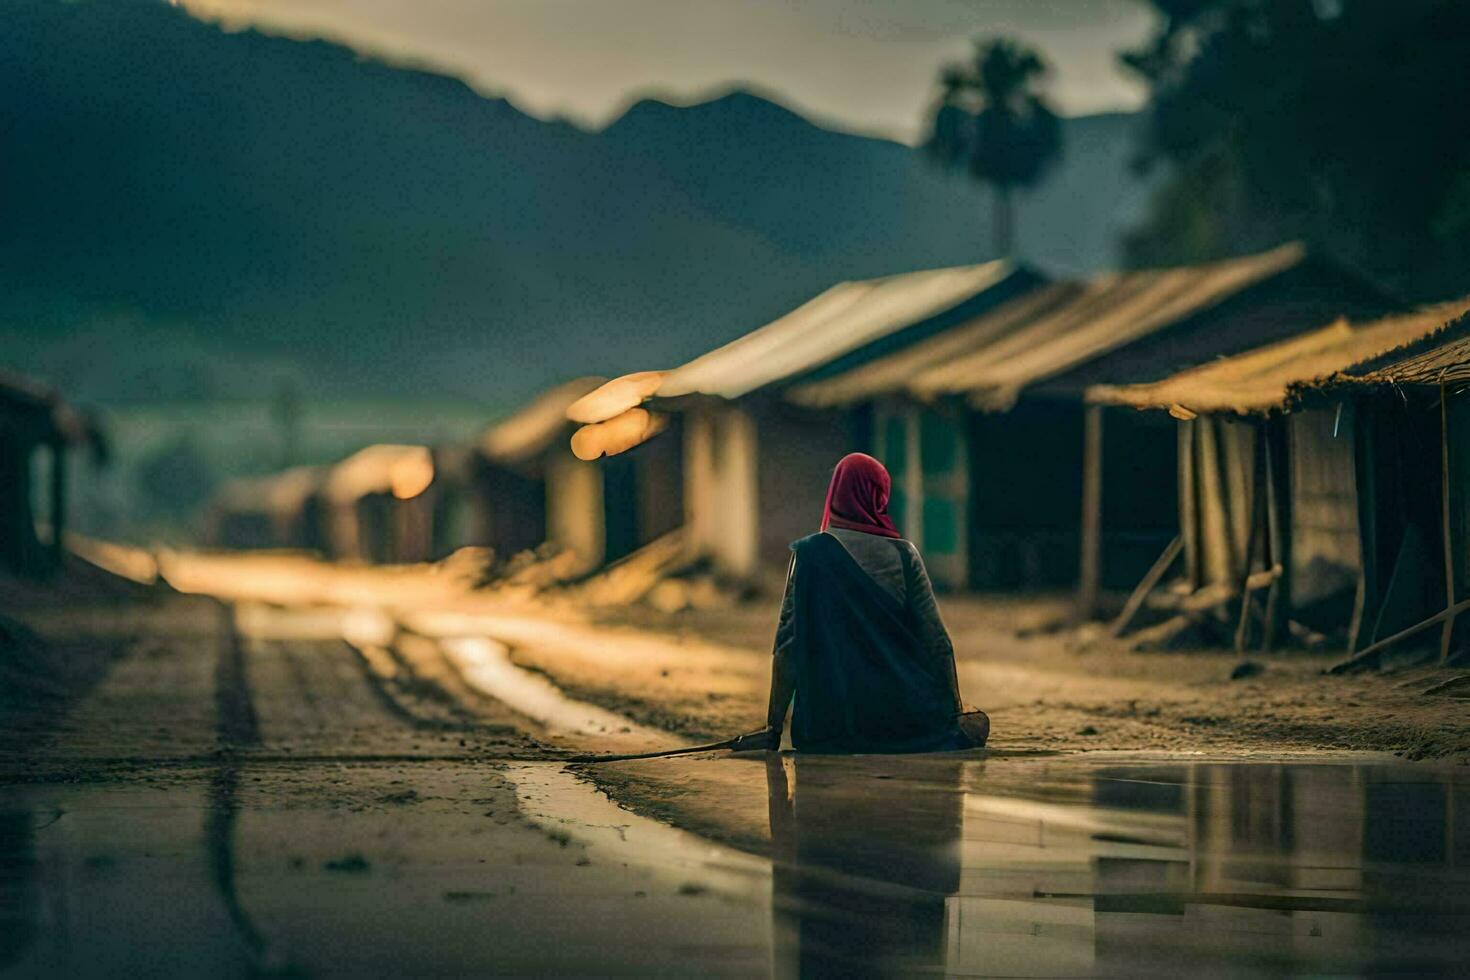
(860, 644)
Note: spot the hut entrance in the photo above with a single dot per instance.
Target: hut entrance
(1026, 495)
(925, 450)
(1140, 494)
(1401, 510)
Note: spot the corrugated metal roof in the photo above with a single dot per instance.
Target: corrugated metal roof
(839, 321)
(1269, 377)
(529, 431)
(1037, 337)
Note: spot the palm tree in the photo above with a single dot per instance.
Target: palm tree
(990, 122)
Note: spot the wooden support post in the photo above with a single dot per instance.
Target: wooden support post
(1279, 517)
(1446, 635)
(1146, 585)
(1365, 492)
(1369, 656)
(1253, 535)
(1189, 528)
(1089, 579)
(58, 501)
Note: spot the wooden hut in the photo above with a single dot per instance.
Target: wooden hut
(531, 489)
(1302, 475)
(37, 428)
(379, 505)
(756, 463)
(282, 510)
(1000, 460)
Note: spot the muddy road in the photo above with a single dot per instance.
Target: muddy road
(346, 788)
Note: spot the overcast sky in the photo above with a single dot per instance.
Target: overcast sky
(863, 65)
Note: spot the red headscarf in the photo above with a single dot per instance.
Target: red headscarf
(857, 498)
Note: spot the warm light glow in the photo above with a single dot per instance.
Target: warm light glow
(411, 475)
(632, 428)
(616, 397)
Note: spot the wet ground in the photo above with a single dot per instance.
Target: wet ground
(341, 790)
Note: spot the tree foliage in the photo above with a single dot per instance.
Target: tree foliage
(1341, 122)
(992, 123)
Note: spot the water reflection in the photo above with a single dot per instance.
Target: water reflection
(922, 865)
(861, 880)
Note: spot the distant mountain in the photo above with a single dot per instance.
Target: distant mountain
(190, 212)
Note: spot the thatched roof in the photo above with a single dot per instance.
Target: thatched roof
(1271, 377)
(842, 321)
(534, 428)
(404, 471)
(1044, 334)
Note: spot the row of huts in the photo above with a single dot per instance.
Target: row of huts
(1261, 427)
(39, 433)
(1256, 436)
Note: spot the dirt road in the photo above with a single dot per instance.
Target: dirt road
(371, 786)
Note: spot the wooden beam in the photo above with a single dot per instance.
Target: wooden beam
(1161, 565)
(1370, 656)
(1090, 575)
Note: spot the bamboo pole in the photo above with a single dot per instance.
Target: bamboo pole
(1090, 572)
(1446, 635)
(1253, 536)
(1146, 585)
(1279, 517)
(1372, 653)
(58, 501)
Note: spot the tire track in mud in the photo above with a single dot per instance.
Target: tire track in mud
(238, 727)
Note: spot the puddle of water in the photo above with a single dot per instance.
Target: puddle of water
(560, 802)
(485, 664)
(877, 865)
(1069, 867)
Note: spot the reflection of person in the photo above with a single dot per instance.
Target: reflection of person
(864, 862)
(860, 645)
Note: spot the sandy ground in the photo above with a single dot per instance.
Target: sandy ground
(1042, 689)
(355, 772)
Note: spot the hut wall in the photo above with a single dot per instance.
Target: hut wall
(20, 548)
(302, 526)
(1457, 435)
(1217, 461)
(412, 527)
(374, 528)
(720, 489)
(510, 511)
(660, 484)
(1325, 548)
(343, 533)
(798, 449)
(574, 507)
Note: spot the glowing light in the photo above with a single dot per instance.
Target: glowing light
(411, 475)
(616, 397)
(632, 428)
